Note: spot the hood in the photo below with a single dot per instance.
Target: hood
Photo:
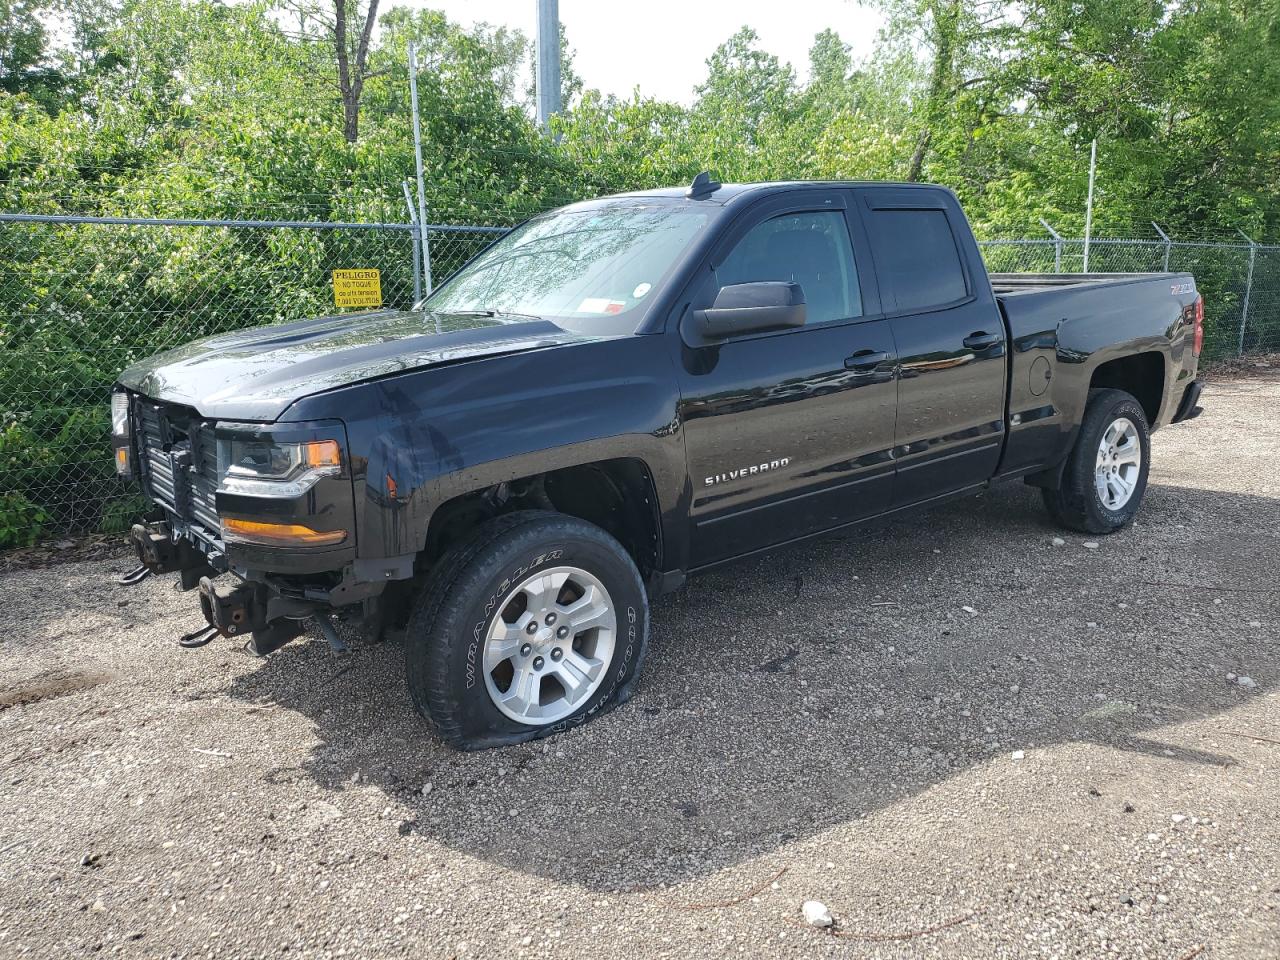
(256, 374)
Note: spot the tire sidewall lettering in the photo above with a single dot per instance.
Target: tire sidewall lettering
(478, 630)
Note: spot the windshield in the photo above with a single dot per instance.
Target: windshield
(587, 269)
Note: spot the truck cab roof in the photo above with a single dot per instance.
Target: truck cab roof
(725, 194)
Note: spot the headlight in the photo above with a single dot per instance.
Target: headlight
(266, 468)
(120, 433)
(120, 415)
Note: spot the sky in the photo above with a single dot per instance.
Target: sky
(662, 45)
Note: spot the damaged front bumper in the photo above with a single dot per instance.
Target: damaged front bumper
(268, 608)
(160, 552)
(260, 518)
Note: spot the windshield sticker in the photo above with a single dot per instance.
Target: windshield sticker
(641, 290)
(601, 305)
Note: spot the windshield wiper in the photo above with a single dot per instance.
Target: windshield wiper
(495, 314)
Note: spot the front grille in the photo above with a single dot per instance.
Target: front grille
(179, 462)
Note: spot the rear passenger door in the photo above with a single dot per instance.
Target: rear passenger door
(950, 339)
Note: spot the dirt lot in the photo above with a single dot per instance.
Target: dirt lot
(964, 739)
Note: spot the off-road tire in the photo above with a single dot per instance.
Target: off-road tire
(444, 639)
(1076, 504)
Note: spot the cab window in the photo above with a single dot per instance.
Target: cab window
(811, 249)
(918, 258)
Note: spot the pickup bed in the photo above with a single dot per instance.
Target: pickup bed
(617, 394)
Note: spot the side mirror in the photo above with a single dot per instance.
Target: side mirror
(751, 308)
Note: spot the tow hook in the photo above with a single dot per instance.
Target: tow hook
(136, 575)
(198, 638)
(336, 643)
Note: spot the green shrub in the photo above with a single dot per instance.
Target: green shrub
(21, 521)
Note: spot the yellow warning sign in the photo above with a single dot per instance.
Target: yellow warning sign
(357, 288)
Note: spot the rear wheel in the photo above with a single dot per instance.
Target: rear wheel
(1105, 476)
(536, 623)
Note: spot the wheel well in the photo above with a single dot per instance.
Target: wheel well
(616, 495)
(1140, 374)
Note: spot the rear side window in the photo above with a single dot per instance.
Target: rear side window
(811, 249)
(916, 253)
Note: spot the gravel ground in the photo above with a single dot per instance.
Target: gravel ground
(965, 740)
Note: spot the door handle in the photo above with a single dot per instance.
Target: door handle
(865, 360)
(982, 340)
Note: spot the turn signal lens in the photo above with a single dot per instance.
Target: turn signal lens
(122, 461)
(321, 453)
(279, 534)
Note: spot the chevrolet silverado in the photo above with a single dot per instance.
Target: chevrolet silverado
(620, 393)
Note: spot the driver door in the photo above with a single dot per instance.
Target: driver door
(789, 433)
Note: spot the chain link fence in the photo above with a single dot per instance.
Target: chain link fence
(83, 297)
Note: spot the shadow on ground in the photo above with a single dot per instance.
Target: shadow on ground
(788, 694)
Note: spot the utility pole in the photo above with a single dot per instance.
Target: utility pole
(1088, 212)
(547, 78)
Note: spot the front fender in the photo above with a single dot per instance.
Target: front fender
(424, 438)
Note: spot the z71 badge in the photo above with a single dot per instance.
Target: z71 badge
(741, 472)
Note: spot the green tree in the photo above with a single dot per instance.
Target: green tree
(570, 82)
(346, 27)
(1184, 100)
(746, 88)
(830, 71)
(27, 65)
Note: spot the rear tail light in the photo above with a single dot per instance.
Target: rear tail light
(1198, 343)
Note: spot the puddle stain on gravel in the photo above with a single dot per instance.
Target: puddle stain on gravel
(51, 684)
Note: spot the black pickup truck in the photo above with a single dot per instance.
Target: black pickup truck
(617, 394)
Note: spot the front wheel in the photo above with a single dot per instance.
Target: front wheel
(1105, 476)
(538, 622)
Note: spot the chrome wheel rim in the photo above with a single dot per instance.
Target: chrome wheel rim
(549, 646)
(1119, 463)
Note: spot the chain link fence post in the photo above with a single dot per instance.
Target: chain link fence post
(1168, 244)
(1248, 290)
(1057, 245)
(417, 243)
